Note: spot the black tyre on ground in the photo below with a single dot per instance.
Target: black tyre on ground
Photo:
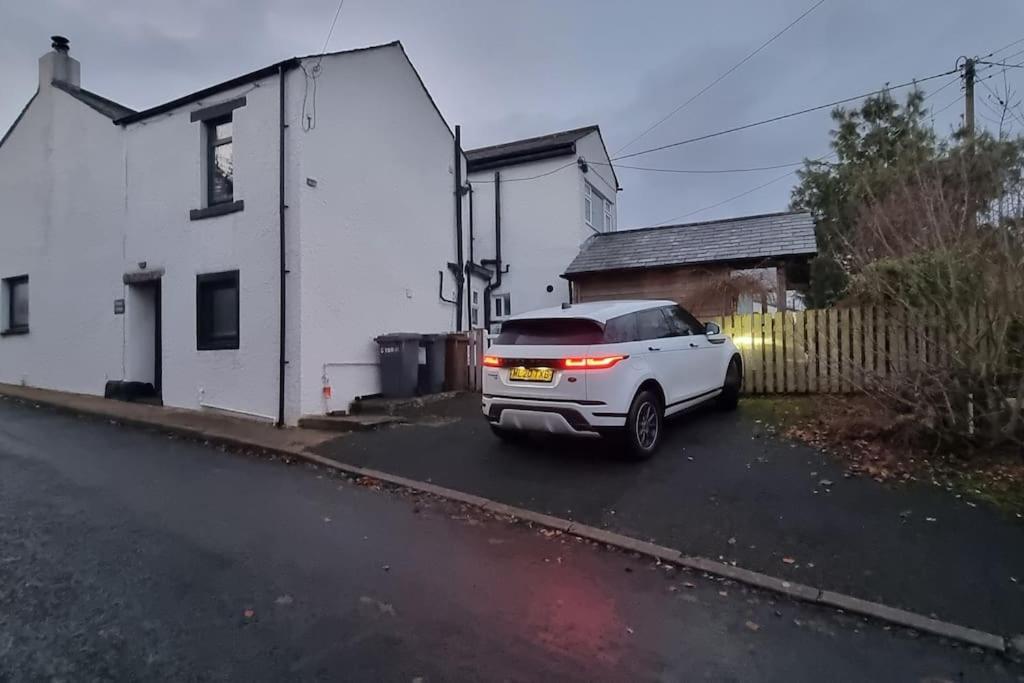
(730, 396)
(645, 424)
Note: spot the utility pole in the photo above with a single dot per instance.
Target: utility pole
(968, 69)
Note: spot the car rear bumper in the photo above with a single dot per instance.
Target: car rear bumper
(553, 417)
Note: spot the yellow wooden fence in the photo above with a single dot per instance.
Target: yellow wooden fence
(833, 350)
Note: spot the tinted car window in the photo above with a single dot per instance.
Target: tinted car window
(652, 324)
(621, 329)
(546, 331)
(682, 322)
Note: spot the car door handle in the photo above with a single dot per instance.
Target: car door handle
(654, 348)
(694, 346)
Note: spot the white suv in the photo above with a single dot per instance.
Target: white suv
(611, 366)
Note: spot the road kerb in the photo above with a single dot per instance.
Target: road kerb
(801, 592)
(911, 620)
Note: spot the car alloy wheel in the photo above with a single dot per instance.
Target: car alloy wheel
(647, 425)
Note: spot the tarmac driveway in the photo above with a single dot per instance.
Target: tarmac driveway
(723, 488)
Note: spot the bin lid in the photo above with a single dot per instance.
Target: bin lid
(397, 337)
(433, 337)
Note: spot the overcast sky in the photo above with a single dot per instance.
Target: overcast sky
(506, 70)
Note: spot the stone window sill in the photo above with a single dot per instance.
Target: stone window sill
(216, 210)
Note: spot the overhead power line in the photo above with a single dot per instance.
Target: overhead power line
(532, 177)
(735, 197)
(1004, 47)
(782, 117)
(330, 31)
(722, 76)
(701, 171)
(789, 173)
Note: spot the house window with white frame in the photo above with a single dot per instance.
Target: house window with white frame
(502, 305)
(598, 212)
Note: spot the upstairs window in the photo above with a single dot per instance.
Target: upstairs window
(598, 212)
(15, 294)
(220, 165)
(217, 311)
(588, 204)
(502, 305)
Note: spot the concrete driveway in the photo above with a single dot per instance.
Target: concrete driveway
(723, 488)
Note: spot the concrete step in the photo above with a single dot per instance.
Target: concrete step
(349, 423)
(390, 406)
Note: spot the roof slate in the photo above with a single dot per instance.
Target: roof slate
(733, 239)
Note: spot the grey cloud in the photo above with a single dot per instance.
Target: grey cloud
(505, 70)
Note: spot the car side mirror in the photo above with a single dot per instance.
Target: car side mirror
(712, 329)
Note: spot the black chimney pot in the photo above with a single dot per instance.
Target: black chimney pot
(60, 44)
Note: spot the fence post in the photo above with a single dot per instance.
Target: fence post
(800, 350)
(780, 359)
(789, 347)
(833, 350)
(810, 317)
(857, 368)
(748, 361)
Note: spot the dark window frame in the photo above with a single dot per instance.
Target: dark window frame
(212, 143)
(205, 340)
(9, 284)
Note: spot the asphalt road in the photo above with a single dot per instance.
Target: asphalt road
(129, 555)
(724, 488)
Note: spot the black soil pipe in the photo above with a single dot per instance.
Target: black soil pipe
(491, 286)
(282, 360)
(460, 275)
(470, 262)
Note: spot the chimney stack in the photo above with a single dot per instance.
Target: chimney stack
(58, 65)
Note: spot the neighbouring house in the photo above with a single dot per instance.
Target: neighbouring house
(736, 265)
(234, 249)
(533, 203)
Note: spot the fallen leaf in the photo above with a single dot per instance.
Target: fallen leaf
(752, 626)
(687, 584)
(732, 541)
(723, 593)
(789, 560)
(249, 613)
(284, 600)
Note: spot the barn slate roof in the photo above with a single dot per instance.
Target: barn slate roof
(743, 238)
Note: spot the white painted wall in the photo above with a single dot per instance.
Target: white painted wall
(377, 227)
(86, 202)
(61, 193)
(164, 170)
(542, 225)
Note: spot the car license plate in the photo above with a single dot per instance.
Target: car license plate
(521, 374)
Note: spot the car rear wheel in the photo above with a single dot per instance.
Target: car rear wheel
(644, 425)
(730, 396)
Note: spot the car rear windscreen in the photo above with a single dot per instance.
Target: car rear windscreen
(558, 331)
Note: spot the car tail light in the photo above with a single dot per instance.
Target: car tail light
(592, 362)
(492, 361)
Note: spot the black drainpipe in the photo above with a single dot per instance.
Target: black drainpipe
(491, 286)
(470, 262)
(460, 275)
(282, 361)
